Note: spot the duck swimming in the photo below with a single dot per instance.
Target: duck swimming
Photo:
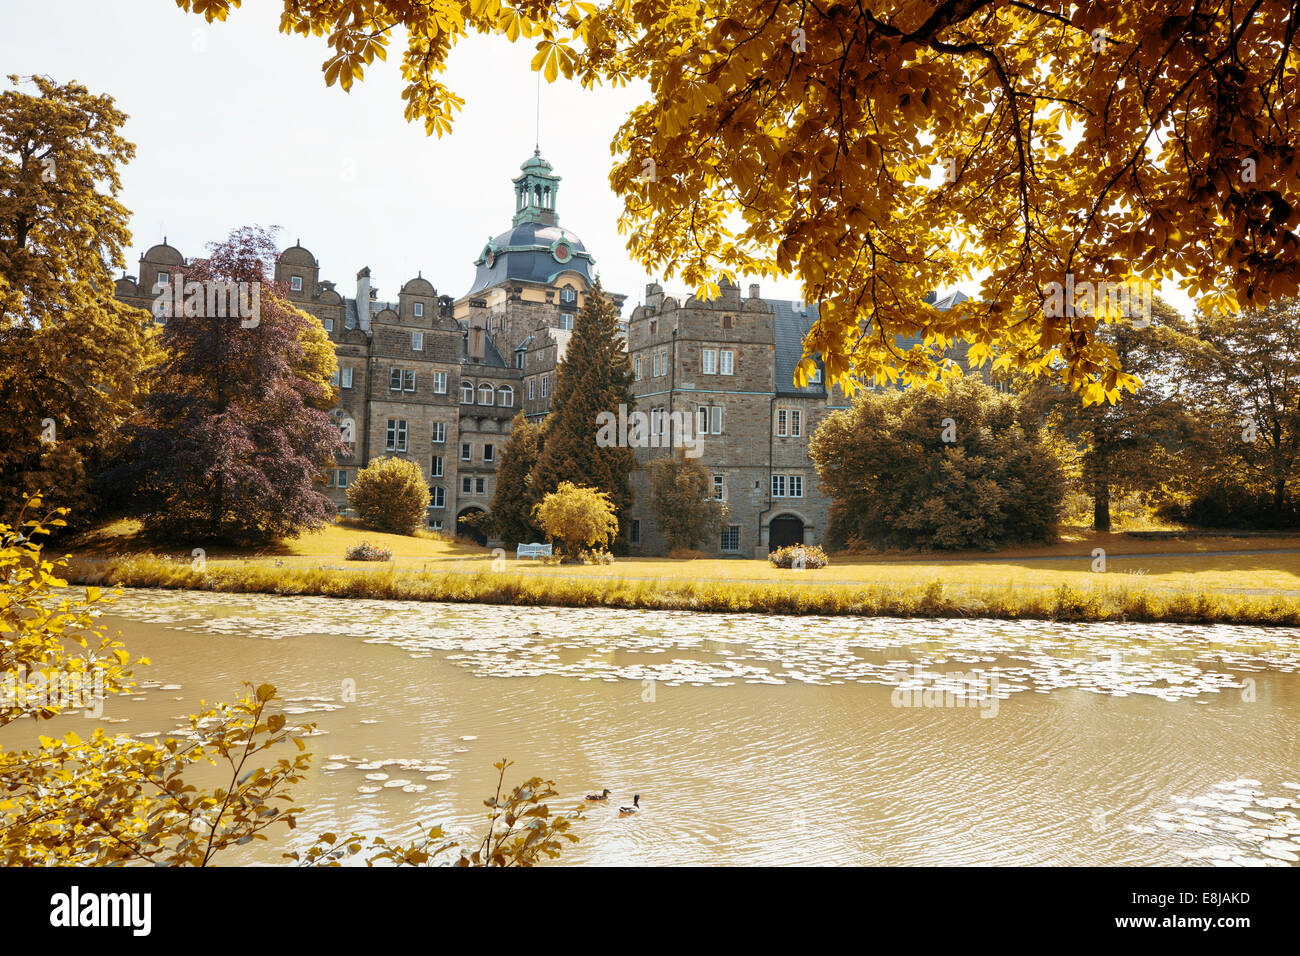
(636, 805)
(603, 795)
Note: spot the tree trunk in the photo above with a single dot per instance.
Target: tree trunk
(1101, 505)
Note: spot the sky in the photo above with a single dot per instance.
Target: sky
(233, 125)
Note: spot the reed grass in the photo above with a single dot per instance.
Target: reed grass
(799, 596)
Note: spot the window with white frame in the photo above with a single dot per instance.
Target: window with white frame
(709, 361)
(440, 383)
(655, 365)
(466, 485)
(395, 380)
(329, 324)
(396, 435)
(816, 376)
(701, 419)
(480, 486)
(568, 295)
(546, 385)
(566, 321)
(782, 423)
(408, 380)
(489, 453)
(731, 538)
(531, 389)
(796, 423)
(655, 424)
(778, 486)
(417, 338)
(295, 283)
(419, 311)
(795, 486)
(726, 362)
(486, 394)
(439, 432)
(636, 365)
(719, 487)
(465, 451)
(435, 468)
(345, 377)
(334, 377)
(519, 359)
(715, 419)
(506, 397)
(437, 497)
(466, 393)
(401, 380)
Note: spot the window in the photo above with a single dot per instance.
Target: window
(439, 432)
(715, 419)
(488, 453)
(530, 389)
(709, 362)
(417, 338)
(718, 487)
(395, 380)
(731, 538)
(163, 279)
(408, 380)
(345, 377)
(566, 320)
(702, 420)
(437, 497)
(440, 383)
(654, 326)
(546, 385)
(796, 422)
(655, 424)
(656, 365)
(663, 361)
(486, 394)
(480, 485)
(334, 377)
(436, 524)
(464, 451)
(396, 436)
(796, 486)
(338, 478)
(466, 484)
(568, 295)
(506, 397)
(778, 486)
(435, 469)
(419, 313)
(635, 532)
(466, 393)
(295, 283)
(329, 324)
(782, 423)
(727, 322)
(636, 365)
(519, 359)
(726, 362)
(816, 376)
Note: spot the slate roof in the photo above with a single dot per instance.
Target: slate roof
(524, 253)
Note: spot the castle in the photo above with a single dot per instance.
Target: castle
(437, 380)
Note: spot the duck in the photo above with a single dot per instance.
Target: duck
(636, 805)
(603, 795)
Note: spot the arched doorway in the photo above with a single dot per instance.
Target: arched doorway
(784, 530)
(468, 530)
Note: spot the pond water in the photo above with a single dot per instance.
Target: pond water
(753, 739)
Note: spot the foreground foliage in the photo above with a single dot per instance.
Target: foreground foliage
(578, 517)
(390, 494)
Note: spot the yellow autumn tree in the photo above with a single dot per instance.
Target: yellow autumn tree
(882, 150)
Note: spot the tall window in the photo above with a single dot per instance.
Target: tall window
(709, 361)
(396, 435)
(329, 324)
(295, 283)
(715, 419)
(466, 393)
(395, 380)
(466, 485)
(486, 394)
(782, 423)
(464, 451)
(345, 377)
(439, 432)
(437, 496)
(488, 453)
(419, 311)
(566, 320)
(506, 397)
(718, 487)
(408, 380)
(796, 486)
(531, 390)
(435, 469)
(546, 385)
(726, 362)
(417, 338)
(480, 486)
(656, 365)
(636, 365)
(519, 359)
(778, 486)
(635, 533)
(731, 538)
(440, 383)
(796, 422)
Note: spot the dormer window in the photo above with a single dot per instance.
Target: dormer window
(419, 310)
(568, 296)
(295, 283)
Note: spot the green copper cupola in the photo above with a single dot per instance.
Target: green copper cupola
(535, 190)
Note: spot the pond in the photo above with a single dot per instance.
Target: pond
(757, 739)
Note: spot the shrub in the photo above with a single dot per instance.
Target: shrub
(368, 552)
(801, 556)
(912, 469)
(1231, 506)
(682, 498)
(390, 495)
(576, 517)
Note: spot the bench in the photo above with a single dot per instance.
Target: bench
(533, 551)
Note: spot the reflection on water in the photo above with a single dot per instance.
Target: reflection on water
(761, 739)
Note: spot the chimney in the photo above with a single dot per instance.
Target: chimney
(476, 347)
(363, 300)
(654, 296)
(753, 290)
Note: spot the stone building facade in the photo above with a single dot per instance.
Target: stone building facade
(437, 380)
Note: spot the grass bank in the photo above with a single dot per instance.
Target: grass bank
(795, 593)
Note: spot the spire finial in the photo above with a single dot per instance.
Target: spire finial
(537, 148)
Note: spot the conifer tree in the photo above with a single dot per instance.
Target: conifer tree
(511, 512)
(595, 376)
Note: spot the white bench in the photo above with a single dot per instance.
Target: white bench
(533, 551)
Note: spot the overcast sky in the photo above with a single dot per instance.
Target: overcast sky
(233, 125)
